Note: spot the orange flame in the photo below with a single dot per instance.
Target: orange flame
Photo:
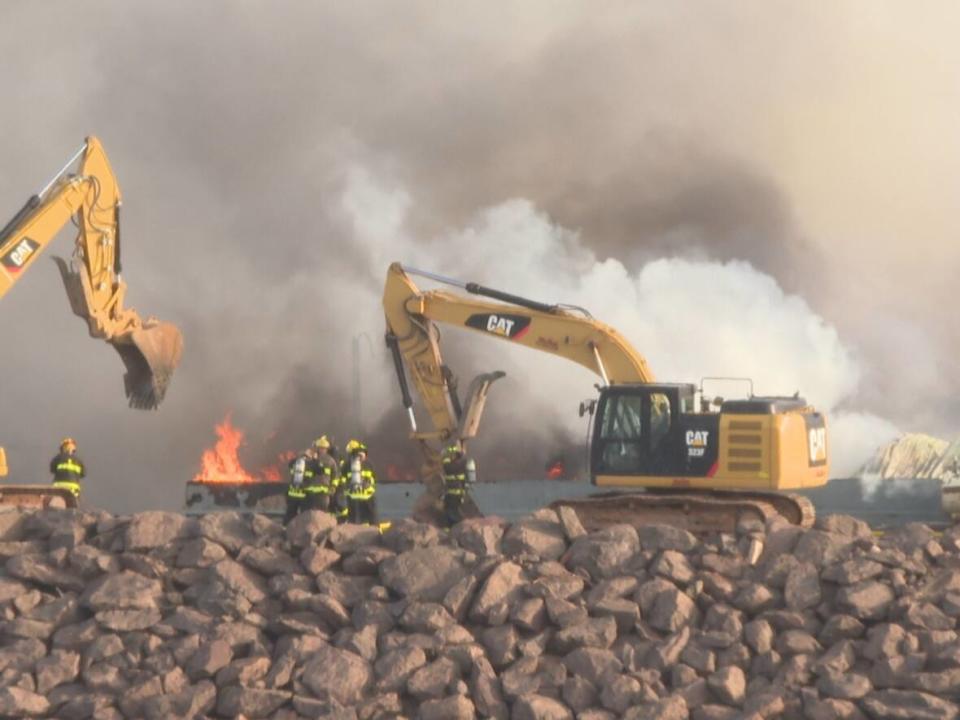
(221, 463)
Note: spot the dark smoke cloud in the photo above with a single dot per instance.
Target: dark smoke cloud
(785, 135)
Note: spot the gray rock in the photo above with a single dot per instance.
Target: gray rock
(233, 530)
(656, 537)
(594, 632)
(433, 680)
(908, 705)
(728, 685)
(867, 600)
(307, 527)
(239, 579)
(17, 702)
(125, 590)
(671, 610)
(539, 707)
(802, 589)
(852, 686)
(349, 538)
(366, 560)
(454, 707)
(593, 664)
(481, 536)
(316, 559)
(58, 668)
(540, 536)
(503, 585)
(235, 700)
(570, 522)
(408, 534)
(422, 574)
(673, 707)
(621, 692)
(210, 658)
(268, 561)
(338, 674)
(154, 529)
(673, 566)
(394, 668)
(606, 552)
(128, 620)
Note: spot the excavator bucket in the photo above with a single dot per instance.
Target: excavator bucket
(150, 354)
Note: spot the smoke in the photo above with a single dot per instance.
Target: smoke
(766, 175)
(690, 318)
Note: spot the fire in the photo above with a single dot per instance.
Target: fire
(221, 463)
(555, 470)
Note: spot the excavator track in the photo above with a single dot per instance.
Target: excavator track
(695, 511)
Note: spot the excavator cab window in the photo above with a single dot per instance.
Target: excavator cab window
(636, 434)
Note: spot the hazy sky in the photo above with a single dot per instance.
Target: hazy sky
(275, 156)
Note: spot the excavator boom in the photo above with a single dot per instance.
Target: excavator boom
(150, 349)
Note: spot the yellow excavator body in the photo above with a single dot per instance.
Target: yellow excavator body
(90, 196)
(732, 460)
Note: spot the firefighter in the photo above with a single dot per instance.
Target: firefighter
(67, 468)
(323, 483)
(458, 472)
(304, 470)
(361, 486)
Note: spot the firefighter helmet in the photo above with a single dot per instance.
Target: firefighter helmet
(355, 446)
(68, 444)
(322, 442)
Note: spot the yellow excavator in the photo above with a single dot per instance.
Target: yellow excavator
(689, 460)
(90, 196)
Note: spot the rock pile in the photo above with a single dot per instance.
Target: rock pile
(160, 616)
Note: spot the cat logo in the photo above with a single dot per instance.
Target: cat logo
(817, 440)
(15, 260)
(505, 325)
(697, 441)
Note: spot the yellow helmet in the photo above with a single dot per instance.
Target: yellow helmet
(451, 451)
(322, 442)
(68, 444)
(355, 446)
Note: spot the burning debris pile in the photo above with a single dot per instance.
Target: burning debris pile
(158, 615)
(221, 464)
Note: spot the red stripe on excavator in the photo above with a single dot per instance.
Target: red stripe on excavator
(521, 333)
(713, 468)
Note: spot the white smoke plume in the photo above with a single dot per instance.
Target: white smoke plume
(690, 318)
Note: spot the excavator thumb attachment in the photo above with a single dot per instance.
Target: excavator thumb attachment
(150, 354)
(429, 506)
(476, 401)
(150, 350)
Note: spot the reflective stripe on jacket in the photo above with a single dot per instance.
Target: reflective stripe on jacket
(73, 487)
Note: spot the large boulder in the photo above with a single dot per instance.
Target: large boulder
(503, 586)
(422, 574)
(337, 674)
(605, 552)
(125, 590)
(154, 529)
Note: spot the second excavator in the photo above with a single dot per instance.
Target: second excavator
(90, 196)
(700, 463)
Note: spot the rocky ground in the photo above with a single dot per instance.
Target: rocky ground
(160, 616)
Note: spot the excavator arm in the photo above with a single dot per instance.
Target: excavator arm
(150, 349)
(412, 316)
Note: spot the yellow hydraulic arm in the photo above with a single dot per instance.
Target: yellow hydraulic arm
(412, 335)
(150, 349)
